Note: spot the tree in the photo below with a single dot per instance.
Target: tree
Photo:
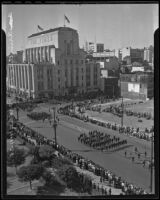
(15, 157)
(46, 152)
(70, 176)
(30, 173)
(34, 151)
(50, 179)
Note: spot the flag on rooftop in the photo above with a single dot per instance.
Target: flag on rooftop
(66, 18)
(40, 28)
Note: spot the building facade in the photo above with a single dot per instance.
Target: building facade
(148, 54)
(134, 55)
(91, 47)
(137, 85)
(109, 86)
(92, 76)
(55, 64)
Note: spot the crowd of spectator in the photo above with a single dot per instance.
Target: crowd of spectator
(25, 106)
(130, 131)
(101, 141)
(117, 110)
(32, 137)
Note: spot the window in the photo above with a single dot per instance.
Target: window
(71, 61)
(68, 49)
(58, 71)
(58, 62)
(65, 83)
(77, 62)
(58, 79)
(65, 62)
(82, 62)
(41, 73)
(65, 72)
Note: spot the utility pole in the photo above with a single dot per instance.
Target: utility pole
(122, 113)
(55, 126)
(113, 91)
(122, 106)
(17, 109)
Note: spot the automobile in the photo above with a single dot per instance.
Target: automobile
(37, 101)
(140, 120)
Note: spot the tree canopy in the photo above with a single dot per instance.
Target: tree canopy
(30, 173)
(15, 157)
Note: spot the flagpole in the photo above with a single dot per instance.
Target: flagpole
(64, 20)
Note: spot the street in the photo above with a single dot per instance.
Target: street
(69, 129)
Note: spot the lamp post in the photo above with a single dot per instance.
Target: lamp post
(122, 113)
(122, 105)
(17, 110)
(55, 127)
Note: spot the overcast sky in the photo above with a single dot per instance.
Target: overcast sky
(116, 26)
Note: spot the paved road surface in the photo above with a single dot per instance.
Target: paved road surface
(69, 129)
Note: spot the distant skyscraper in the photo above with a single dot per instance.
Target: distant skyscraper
(148, 54)
(91, 47)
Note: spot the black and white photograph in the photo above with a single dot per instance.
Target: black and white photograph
(80, 100)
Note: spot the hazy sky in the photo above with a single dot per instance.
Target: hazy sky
(115, 25)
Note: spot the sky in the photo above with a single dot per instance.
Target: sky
(115, 25)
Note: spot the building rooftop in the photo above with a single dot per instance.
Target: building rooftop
(51, 30)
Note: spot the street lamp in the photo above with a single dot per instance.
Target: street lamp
(55, 127)
(122, 105)
(122, 113)
(17, 110)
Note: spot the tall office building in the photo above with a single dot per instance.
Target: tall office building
(53, 65)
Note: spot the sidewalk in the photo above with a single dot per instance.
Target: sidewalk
(96, 180)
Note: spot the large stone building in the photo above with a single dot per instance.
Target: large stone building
(53, 65)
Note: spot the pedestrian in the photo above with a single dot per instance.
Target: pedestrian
(136, 149)
(110, 191)
(98, 187)
(144, 163)
(145, 153)
(133, 159)
(139, 156)
(125, 153)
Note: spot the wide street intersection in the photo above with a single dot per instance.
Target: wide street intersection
(68, 131)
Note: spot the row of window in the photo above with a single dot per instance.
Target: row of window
(71, 62)
(40, 85)
(40, 73)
